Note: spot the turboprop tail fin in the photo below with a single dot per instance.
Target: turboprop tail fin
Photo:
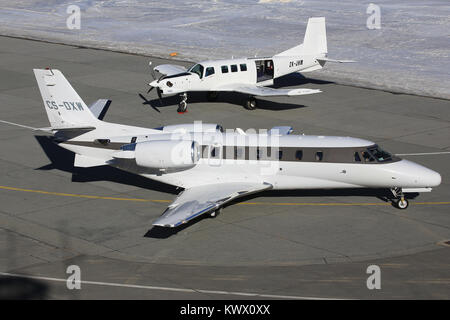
(314, 42)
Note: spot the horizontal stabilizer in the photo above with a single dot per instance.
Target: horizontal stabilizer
(334, 60)
(100, 107)
(87, 162)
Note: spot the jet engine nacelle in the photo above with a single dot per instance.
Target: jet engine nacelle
(192, 127)
(167, 154)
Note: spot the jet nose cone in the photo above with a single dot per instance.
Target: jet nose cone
(422, 176)
(432, 178)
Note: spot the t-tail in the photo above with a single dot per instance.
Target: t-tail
(65, 109)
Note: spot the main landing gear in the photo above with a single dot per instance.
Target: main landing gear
(182, 106)
(400, 202)
(215, 213)
(250, 103)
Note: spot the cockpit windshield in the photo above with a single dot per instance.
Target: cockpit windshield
(379, 154)
(198, 69)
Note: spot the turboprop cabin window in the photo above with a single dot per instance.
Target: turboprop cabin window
(319, 156)
(298, 155)
(209, 71)
(234, 68)
(224, 69)
(243, 67)
(357, 157)
(198, 69)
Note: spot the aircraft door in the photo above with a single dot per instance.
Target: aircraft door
(264, 70)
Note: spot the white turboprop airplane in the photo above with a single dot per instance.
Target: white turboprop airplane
(250, 76)
(214, 167)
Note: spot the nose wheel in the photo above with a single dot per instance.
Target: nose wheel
(182, 106)
(400, 202)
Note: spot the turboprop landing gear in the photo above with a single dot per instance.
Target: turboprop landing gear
(400, 202)
(250, 104)
(215, 213)
(182, 106)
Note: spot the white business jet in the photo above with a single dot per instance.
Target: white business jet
(214, 167)
(250, 76)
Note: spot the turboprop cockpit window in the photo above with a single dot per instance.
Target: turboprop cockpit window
(198, 69)
(379, 154)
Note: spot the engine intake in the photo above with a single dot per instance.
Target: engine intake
(167, 154)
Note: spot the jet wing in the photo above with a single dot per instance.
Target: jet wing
(195, 201)
(170, 69)
(265, 91)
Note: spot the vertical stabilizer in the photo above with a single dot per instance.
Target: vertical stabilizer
(63, 105)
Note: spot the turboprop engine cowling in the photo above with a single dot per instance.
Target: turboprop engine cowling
(167, 154)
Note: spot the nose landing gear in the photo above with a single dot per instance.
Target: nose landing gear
(182, 106)
(215, 213)
(400, 202)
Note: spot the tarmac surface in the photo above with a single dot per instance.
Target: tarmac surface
(273, 245)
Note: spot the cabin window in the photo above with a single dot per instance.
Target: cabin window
(357, 157)
(243, 67)
(299, 155)
(319, 156)
(209, 71)
(367, 157)
(224, 69)
(301, 62)
(234, 68)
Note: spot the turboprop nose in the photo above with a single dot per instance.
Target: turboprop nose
(154, 83)
(420, 175)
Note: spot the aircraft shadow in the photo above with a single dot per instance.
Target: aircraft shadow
(226, 97)
(62, 159)
(381, 194)
(12, 288)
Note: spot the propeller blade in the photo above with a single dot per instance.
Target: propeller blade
(158, 91)
(151, 88)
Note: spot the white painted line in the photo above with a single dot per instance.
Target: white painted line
(422, 154)
(135, 286)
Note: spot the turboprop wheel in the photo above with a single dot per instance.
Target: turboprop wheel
(212, 95)
(215, 213)
(182, 106)
(402, 204)
(251, 104)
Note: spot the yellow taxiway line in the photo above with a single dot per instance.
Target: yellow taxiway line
(332, 204)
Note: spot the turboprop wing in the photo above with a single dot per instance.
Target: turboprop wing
(265, 91)
(170, 69)
(196, 201)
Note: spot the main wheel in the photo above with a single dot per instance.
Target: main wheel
(212, 95)
(182, 106)
(215, 213)
(402, 204)
(250, 104)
